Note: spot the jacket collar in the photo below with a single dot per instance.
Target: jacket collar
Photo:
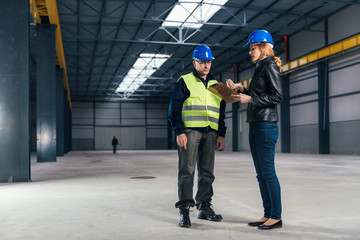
(259, 63)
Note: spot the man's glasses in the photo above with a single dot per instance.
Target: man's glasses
(203, 62)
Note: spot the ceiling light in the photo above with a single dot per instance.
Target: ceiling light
(192, 13)
(143, 68)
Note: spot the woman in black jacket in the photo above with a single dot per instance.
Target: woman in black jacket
(263, 95)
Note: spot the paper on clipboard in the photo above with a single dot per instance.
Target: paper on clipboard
(222, 91)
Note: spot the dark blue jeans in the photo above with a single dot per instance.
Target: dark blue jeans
(263, 137)
(201, 152)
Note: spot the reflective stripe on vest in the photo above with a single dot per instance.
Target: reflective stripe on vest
(202, 108)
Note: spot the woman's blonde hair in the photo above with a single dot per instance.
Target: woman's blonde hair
(266, 50)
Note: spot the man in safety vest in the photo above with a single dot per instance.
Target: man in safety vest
(197, 118)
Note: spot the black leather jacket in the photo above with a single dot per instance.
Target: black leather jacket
(265, 91)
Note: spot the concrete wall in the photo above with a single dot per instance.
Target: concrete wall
(136, 125)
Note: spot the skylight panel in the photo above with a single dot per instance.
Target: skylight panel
(192, 13)
(146, 65)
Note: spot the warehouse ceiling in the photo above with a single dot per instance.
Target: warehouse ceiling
(104, 39)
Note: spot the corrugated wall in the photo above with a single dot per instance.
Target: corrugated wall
(136, 125)
(344, 88)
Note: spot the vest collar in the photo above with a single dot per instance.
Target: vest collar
(209, 76)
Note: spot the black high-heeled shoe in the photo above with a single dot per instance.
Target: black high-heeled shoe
(255, 224)
(275, 225)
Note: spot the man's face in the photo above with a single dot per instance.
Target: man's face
(202, 67)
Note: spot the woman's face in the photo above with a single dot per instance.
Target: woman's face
(254, 52)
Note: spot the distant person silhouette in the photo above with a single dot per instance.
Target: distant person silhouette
(114, 143)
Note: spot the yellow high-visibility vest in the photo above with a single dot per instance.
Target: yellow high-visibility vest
(202, 108)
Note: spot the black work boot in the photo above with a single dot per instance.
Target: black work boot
(184, 217)
(206, 212)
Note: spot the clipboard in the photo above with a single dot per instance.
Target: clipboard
(222, 91)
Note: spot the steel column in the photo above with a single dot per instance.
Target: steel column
(67, 127)
(14, 91)
(235, 114)
(323, 125)
(46, 93)
(285, 115)
(285, 106)
(323, 96)
(235, 126)
(59, 112)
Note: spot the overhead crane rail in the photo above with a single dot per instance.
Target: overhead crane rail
(48, 8)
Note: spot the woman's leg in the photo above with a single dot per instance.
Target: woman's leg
(253, 139)
(265, 135)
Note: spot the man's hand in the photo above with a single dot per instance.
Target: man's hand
(219, 143)
(243, 98)
(182, 140)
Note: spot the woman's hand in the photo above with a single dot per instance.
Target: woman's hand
(234, 86)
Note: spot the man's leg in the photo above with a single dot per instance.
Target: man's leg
(206, 176)
(186, 169)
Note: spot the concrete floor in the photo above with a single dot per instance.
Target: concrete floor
(95, 195)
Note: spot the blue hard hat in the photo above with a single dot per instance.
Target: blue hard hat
(202, 52)
(259, 36)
